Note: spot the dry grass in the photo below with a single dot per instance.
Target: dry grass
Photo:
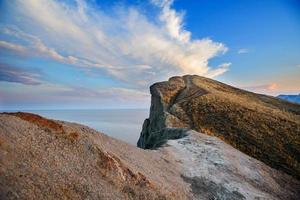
(261, 126)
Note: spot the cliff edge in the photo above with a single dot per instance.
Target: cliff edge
(261, 126)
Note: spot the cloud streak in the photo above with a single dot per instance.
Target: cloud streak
(124, 43)
(243, 51)
(12, 74)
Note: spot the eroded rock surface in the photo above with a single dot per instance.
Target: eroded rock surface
(216, 170)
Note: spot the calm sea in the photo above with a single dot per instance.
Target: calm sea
(124, 124)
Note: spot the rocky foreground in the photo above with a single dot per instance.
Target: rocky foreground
(211, 154)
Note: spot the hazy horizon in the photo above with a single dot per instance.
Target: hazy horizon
(122, 124)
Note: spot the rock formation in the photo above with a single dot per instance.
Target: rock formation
(261, 126)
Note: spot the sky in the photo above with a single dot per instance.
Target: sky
(95, 54)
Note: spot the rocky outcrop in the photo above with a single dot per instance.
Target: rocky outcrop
(261, 126)
(161, 124)
(47, 159)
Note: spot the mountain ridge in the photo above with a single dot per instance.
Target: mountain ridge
(261, 126)
(290, 98)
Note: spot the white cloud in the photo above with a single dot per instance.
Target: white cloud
(243, 51)
(173, 21)
(121, 42)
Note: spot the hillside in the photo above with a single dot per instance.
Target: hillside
(47, 159)
(261, 126)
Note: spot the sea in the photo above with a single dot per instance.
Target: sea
(123, 124)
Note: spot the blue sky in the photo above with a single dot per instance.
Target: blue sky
(106, 54)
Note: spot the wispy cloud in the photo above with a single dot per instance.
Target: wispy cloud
(9, 73)
(243, 51)
(220, 70)
(33, 46)
(121, 42)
